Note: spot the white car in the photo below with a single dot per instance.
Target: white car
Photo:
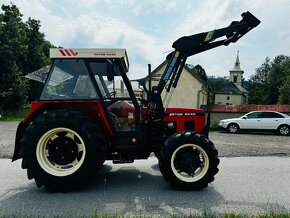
(258, 120)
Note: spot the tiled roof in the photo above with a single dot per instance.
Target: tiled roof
(232, 88)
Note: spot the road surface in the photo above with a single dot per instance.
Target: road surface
(249, 185)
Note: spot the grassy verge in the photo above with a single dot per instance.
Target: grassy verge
(104, 215)
(14, 115)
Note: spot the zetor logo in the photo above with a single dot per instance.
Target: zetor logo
(68, 52)
(181, 114)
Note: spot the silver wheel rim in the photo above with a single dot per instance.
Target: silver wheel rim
(284, 130)
(233, 128)
(48, 164)
(199, 173)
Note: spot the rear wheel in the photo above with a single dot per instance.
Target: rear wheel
(62, 149)
(233, 128)
(188, 161)
(284, 130)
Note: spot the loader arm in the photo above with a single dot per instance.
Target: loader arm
(190, 45)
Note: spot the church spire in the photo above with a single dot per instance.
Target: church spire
(236, 74)
(237, 66)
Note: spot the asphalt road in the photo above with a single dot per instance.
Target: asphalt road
(248, 185)
(254, 178)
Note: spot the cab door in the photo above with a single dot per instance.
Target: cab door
(117, 96)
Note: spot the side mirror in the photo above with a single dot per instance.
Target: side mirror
(110, 71)
(245, 117)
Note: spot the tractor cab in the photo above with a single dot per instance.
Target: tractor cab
(94, 74)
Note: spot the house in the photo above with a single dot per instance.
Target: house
(233, 93)
(191, 91)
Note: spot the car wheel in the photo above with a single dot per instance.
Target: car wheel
(233, 128)
(284, 130)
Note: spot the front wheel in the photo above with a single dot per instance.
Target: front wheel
(188, 161)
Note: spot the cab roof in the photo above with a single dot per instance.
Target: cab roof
(96, 53)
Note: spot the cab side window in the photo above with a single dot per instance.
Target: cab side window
(69, 79)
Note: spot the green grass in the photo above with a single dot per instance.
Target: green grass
(105, 215)
(14, 115)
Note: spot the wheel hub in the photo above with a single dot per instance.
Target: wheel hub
(187, 161)
(62, 150)
(284, 130)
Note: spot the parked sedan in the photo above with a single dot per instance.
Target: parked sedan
(258, 120)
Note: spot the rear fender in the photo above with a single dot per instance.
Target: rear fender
(36, 110)
(93, 109)
(17, 149)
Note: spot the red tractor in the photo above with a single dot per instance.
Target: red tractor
(88, 113)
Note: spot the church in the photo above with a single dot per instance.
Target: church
(233, 93)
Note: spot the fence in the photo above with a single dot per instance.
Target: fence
(219, 112)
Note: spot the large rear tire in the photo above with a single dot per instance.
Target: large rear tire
(62, 150)
(189, 161)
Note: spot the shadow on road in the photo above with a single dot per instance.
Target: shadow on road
(252, 132)
(123, 190)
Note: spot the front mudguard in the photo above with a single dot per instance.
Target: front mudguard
(207, 126)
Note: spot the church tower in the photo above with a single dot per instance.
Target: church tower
(233, 92)
(236, 74)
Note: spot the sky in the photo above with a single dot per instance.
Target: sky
(148, 28)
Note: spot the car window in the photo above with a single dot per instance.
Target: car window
(271, 115)
(254, 115)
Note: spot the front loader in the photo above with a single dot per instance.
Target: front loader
(88, 113)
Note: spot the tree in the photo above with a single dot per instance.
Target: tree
(13, 54)
(280, 69)
(23, 49)
(258, 85)
(199, 71)
(215, 84)
(38, 53)
(266, 84)
(16, 94)
(284, 97)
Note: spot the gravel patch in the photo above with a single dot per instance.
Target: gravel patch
(250, 144)
(7, 138)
